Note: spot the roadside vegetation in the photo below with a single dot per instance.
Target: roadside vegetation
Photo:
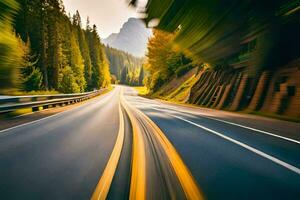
(163, 61)
(43, 49)
(142, 90)
(181, 93)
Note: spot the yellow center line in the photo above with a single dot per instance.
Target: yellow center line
(138, 171)
(105, 181)
(187, 181)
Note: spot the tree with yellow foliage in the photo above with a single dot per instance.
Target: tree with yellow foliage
(162, 60)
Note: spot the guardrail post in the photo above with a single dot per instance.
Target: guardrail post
(45, 107)
(34, 109)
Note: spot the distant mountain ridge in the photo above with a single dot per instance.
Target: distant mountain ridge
(110, 38)
(132, 38)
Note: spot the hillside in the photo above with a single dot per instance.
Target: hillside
(132, 38)
(178, 89)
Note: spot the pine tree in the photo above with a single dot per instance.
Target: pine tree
(141, 76)
(31, 77)
(77, 64)
(95, 53)
(83, 44)
(69, 58)
(124, 75)
(54, 51)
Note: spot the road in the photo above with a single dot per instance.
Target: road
(122, 146)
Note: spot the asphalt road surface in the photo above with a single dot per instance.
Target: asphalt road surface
(60, 157)
(122, 146)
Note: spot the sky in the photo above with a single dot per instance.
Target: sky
(108, 15)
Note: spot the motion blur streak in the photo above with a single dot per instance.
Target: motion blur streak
(185, 177)
(138, 171)
(212, 30)
(166, 171)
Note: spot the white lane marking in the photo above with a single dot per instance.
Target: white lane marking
(254, 129)
(38, 120)
(239, 125)
(25, 124)
(256, 151)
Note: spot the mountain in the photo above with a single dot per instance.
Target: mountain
(110, 39)
(132, 38)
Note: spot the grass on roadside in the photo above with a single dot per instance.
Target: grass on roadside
(142, 90)
(181, 94)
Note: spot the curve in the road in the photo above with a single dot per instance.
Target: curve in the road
(64, 155)
(172, 167)
(138, 177)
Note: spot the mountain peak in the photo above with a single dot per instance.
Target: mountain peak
(132, 38)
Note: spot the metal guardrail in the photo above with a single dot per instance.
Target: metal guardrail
(45, 101)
